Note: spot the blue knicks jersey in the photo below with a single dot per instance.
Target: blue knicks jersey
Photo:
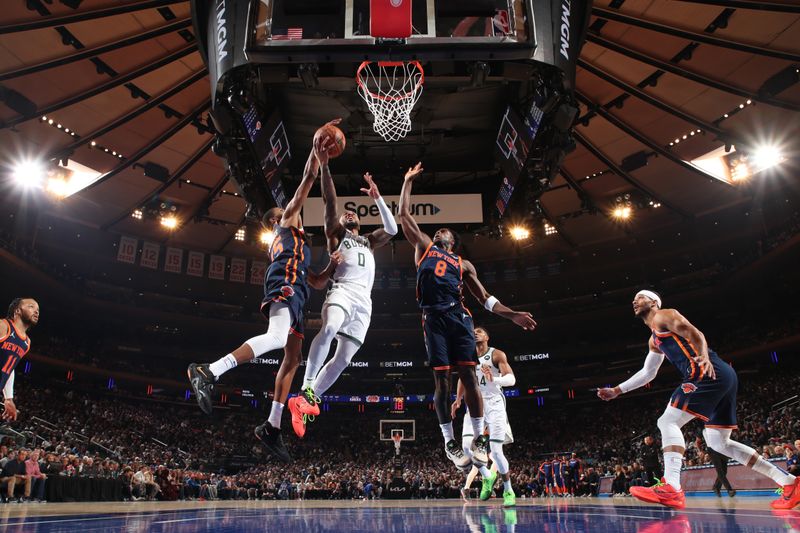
(439, 280)
(681, 353)
(290, 256)
(13, 347)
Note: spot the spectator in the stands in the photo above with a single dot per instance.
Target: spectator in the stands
(36, 476)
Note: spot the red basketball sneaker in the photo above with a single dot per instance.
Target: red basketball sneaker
(303, 408)
(790, 496)
(662, 493)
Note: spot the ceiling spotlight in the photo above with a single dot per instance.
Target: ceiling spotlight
(44, 118)
(725, 115)
(50, 121)
(169, 222)
(267, 237)
(741, 106)
(94, 143)
(58, 187)
(137, 214)
(749, 102)
(767, 156)
(549, 229)
(621, 213)
(519, 233)
(29, 174)
(240, 234)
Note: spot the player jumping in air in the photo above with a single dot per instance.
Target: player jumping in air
(447, 324)
(347, 310)
(708, 392)
(285, 293)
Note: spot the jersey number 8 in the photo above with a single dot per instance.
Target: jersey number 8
(441, 268)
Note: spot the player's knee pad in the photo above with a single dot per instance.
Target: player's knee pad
(670, 424)
(498, 456)
(720, 441)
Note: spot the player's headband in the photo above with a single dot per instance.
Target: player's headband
(650, 294)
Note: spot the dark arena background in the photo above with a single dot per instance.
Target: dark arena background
(581, 152)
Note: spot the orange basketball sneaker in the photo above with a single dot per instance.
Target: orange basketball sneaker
(662, 493)
(790, 496)
(302, 407)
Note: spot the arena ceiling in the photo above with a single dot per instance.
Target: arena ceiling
(122, 87)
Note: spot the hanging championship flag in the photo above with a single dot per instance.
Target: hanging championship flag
(150, 251)
(216, 267)
(238, 269)
(195, 264)
(257, 271)
(173, 261)
(127, 249)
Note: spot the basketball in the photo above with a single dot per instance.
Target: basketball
(337, 141)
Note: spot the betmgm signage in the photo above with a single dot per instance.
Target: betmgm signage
(425, 208)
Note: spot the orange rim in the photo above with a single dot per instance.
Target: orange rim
(405, 96)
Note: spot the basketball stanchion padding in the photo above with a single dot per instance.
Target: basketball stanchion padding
(390, 19)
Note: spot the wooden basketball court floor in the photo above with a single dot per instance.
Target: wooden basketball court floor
(703, 514)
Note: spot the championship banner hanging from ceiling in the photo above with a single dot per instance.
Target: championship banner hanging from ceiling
(195, 264)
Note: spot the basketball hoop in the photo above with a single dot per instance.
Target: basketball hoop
(397, 438)
(390, 89)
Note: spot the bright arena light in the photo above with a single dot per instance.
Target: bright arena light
(267, 237)
(767, 156)
(240, 234)
(519, 233)
(549, 229)
(622, 213)
(169, 222)
(29, 174)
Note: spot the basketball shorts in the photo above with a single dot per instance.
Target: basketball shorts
(711, 400)
(277, 290)
(449, 338)
(356, 302)
(495, 419)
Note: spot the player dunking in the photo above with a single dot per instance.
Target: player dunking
(493, 374)
(708, 392)
(285, 294)
(23, 314)
(447, 325)
(347, 310)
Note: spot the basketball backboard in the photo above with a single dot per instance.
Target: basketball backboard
(389, 427)
(340, 30)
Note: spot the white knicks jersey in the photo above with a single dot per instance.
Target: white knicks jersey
(489, 389)
(358, 265)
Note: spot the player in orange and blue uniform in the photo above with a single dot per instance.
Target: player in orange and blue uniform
(285, 293)
(708, 392)
(23, 314)
(447, 324)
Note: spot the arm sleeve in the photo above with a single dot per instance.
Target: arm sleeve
(644, 376)
(389, 224)
(8, 390)
(505, 381)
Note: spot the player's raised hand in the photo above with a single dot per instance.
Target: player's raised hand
(414, 171)
(706, 367)
(524, 320)
(321, 149)
(334, 122)
(10, 412)
(487, 372)
(608, 394)
(372, 190)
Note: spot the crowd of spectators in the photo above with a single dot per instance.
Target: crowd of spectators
(156, 450)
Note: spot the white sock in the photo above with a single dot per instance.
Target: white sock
(507, 485)
(672, 469)
(447, 431)
(222, 365)
(477, 425)
(485, 472)
(777, 475)
(275, 415)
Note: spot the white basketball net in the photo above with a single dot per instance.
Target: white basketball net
(390, 90)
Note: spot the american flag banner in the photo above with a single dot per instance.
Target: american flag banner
(290, 34)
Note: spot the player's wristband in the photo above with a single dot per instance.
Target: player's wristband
(490, 302)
